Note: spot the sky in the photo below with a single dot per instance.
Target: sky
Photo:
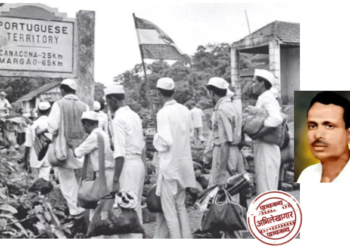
(188, 24)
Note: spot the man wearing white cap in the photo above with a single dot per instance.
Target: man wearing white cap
(43, 167)
(4, 104)
(267, 157)
(65, 115)
(89, 148)
(129, 148)
(227, 159)
(176, 172)
(102, 117)
(208, 151)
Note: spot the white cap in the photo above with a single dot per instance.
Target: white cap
(90, 115)
(266, 75)
(70, 83)
(114, 89)
(44, 105)
(166, 83)
(3, 93)
(218, 82)
(97, 106)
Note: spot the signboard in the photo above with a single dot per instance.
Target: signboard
(32, 46)
(35, 45)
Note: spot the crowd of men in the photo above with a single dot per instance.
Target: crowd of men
(124, 151)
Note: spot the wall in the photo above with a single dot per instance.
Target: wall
(290, 73)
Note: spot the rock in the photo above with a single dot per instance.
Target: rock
(286, 186)
(289, 177)
(147, 216)
(42, 186)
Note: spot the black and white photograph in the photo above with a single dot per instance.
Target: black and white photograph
(144, 121)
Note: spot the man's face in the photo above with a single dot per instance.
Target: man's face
(212, 96)
(87, 127)
(112, 103)
(256, 86)
(2, 97)
(328, 138)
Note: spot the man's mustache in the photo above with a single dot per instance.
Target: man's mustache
(319, 142)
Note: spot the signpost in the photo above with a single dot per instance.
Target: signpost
(37, 41)
(40, 42)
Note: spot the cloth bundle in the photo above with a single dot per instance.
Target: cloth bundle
(126, 200)
(253, 122)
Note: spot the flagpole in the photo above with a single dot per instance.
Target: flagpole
(148, 90)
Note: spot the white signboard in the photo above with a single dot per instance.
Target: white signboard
(36, 45)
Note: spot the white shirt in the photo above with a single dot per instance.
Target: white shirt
(42, 123)
(197, 115)
(128, 135)
(103, 121)
(313, 174)
(90, 146)
(172, 141)
(268, 102)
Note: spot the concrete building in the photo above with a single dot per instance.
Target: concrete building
(281, 42)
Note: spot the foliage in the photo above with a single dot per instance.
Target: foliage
(25, 215)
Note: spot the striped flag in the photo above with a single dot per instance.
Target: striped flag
(155, 44)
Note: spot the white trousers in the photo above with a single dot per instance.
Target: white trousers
(267, 162)
(69, 187)
(173, 222)
(43, 171)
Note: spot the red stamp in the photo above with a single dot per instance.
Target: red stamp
(274, 218)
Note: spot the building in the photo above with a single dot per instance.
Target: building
(49, 92)
(281, 42)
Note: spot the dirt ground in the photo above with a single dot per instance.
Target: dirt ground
(195, 217)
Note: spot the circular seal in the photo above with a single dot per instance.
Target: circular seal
(274, 218)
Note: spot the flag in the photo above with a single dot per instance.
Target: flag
(155, 44)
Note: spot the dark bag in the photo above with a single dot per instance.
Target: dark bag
(224, 215)
(153, 201)
(41, 145)
(110, 221)
(91, 191)
(279, 135)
